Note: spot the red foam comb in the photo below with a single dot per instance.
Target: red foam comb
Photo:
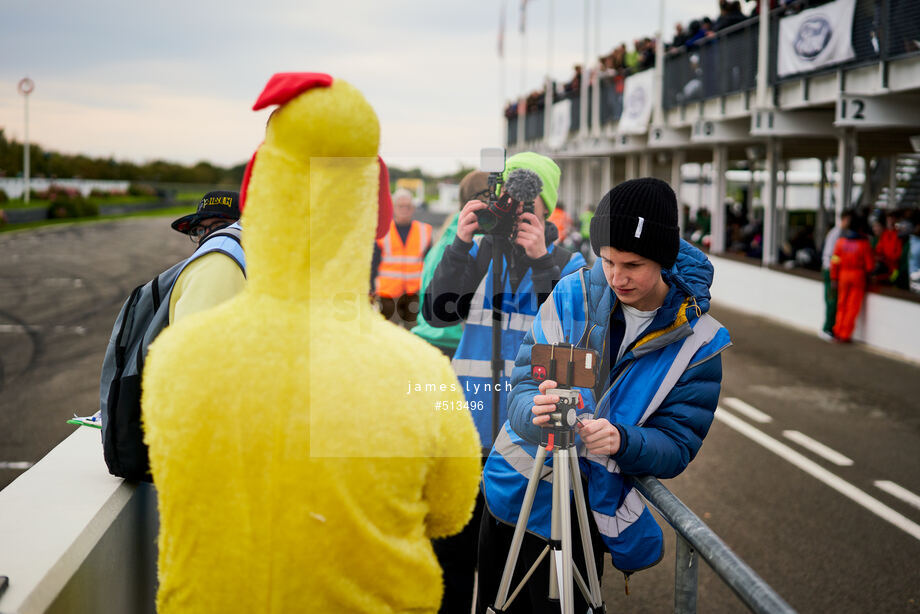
(247, 174)
(384, 203)
(284, 86)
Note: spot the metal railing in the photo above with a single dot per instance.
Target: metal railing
(723, 64)
(611, 98)
(901, 28)
(695, 539)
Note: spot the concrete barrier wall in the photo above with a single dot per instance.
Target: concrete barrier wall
(75, 539)
(15, 187)
(885, 323)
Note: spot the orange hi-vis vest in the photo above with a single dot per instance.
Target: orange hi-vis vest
(400, 270)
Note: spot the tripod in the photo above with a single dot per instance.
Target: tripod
(559, 435)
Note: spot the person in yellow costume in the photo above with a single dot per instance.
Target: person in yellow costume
(305, 451)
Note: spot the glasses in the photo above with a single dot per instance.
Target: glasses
(200, 231)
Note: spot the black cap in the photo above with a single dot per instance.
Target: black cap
(220, 203)
(638, 216)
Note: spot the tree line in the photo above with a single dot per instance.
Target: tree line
(51, 164)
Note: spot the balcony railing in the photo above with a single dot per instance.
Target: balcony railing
(723, 64)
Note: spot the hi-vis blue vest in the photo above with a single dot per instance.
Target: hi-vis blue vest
(472, 362)
(643, 378)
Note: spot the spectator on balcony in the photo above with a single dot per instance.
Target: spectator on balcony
(706, 27)
(631, 61)
(646, 55)
(680, 38)
(773, 4)
(729, 15)
(574, 86)
(695, 33)
(618, 58)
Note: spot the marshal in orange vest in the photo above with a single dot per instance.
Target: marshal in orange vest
(400, 270)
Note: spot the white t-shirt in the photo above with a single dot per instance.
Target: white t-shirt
(636, 322)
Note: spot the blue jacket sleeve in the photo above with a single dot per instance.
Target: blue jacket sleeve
(671, 437)
(524, 389)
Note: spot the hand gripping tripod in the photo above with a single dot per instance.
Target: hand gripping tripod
(558, 437)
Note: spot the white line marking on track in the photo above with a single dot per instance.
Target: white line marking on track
(899, 491)
(30, 328)
(818, 448)
(820, 473)
(15, 464)
(17, 328)
(748, 410)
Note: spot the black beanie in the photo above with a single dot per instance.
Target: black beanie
(638, 216)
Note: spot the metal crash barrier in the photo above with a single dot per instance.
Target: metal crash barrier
(695, 538)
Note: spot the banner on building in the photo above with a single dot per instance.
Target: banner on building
(560, 124)
(815, 38)
(637, 103)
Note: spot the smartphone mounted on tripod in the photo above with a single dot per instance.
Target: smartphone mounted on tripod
(565, 364)
(569, 367)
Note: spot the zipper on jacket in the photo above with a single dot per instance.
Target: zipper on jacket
(626, 368)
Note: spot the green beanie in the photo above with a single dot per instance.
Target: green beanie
(544, 167)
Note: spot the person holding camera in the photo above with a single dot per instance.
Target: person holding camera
(642, 307)
(461, 288)
(460, 291)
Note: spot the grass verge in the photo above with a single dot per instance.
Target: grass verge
(169, 212)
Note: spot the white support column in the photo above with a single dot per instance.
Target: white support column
(719, 169)
(596, 94)
(522, 121)
(763, 54)
(821, 215)
(892, 183)
(606, 174)
(596, 105)
(846, 152)
(632, 166)
(658, 78)
(587, 187)
(585, 76)
(769, 203)
(782, 215)
(677, 161)
(700, 185)
(645, 164)
(571, 171)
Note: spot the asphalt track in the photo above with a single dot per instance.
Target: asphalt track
(829, 532)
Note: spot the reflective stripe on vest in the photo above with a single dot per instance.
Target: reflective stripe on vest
(400, 270)
(472, 362)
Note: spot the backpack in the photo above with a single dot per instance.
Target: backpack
(142, 317)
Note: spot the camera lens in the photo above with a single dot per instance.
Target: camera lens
(487, 220)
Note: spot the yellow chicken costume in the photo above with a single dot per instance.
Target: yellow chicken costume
(305, 450)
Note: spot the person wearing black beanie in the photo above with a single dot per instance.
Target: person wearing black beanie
(642, 308)
(635, 233)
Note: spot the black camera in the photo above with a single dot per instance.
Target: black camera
(520, 190)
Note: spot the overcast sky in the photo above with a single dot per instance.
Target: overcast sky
(176, 80)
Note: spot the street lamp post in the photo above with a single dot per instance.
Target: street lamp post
(25, 87)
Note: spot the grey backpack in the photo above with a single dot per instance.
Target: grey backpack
(142, 317)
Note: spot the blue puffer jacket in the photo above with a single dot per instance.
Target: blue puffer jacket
(660, 395)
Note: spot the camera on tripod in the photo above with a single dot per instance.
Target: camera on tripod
(522, 187)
